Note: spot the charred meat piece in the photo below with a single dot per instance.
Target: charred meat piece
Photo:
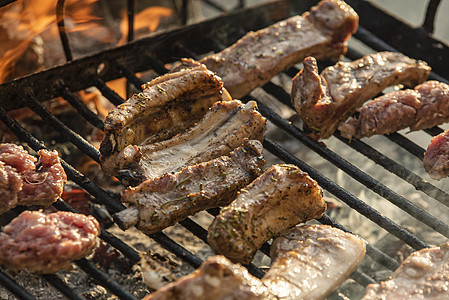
(424, 274)
(25, 182)
(217, 278)
(310, 261)
(47, 243)
(280, 198)
(324, 101)
(436, 157)
(423, 107)
(169, 104)
(258, 56)
(219, 132)
(161, 202)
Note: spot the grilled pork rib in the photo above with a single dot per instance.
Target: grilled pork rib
(47, 243)
(436, 157)
(217, 278)
(424, 274)
(258, 56)
(281, 197)
(310, 261)
(423, 107)
(324, 101)
(219, 132)
(25, 182)
(161, 202)
(169, 104)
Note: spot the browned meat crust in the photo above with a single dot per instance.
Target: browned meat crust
(424, 107)
(281, 197)
(219, 132)
(163, 201)
(436, 157)
(324, 101)
(22, 182)
(310, 261)
(47, 243)
(424, 274)
(167, 105)
(258, 56)
(218, 279)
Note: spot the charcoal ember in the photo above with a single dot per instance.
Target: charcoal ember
(47, 243)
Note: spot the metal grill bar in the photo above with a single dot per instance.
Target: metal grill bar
(107, 92)
(62, 30)
(62, 287)
(13, 287)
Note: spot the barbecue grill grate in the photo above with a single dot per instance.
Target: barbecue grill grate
(192, 41)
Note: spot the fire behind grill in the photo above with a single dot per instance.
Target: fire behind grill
(346, 170)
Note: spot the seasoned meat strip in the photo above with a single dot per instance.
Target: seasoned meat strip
(169, 104)
(47, 243)
(436, 157)
(258, 56)
(424, 274)
(423, 107)
(281, 197)
(310, 261)
(25, 182)
(161, 202)
(217, 278)
(219, 132)
(324, 101)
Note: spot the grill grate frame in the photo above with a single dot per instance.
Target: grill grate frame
(57, 84)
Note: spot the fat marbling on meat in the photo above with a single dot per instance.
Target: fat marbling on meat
(280, 198)
(324, 101)
(168, 105)
(425, 106)
(310, 261)
(217, 278)
(26, 181)
(221, 130)
(424, 274)
(47, 243)
(161, 202)
(436, 157)
(258, 56)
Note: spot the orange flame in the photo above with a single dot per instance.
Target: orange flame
(23, 21)
(148, 19)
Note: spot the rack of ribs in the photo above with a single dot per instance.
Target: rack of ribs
(324, 101)
(161, 202)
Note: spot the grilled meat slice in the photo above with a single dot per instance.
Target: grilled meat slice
(310, 261)
(424, 274)
(258, 56)
(436, 157)
(324, 101)
(169, 104)
(161, 202)
(423, 107)
(280, 198)
(219, 132)
(22, 182)
(217, 278)
(47, 243)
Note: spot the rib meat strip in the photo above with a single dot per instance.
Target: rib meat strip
(436, 157)
(220, 131)
(280, 198)
(217, 278)
(23, 181)
(169, 104)
(310, 261)
(424, 274)
(324, 101)
(161, 202)
(258, 56)
(47, 243)
(423, 107)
